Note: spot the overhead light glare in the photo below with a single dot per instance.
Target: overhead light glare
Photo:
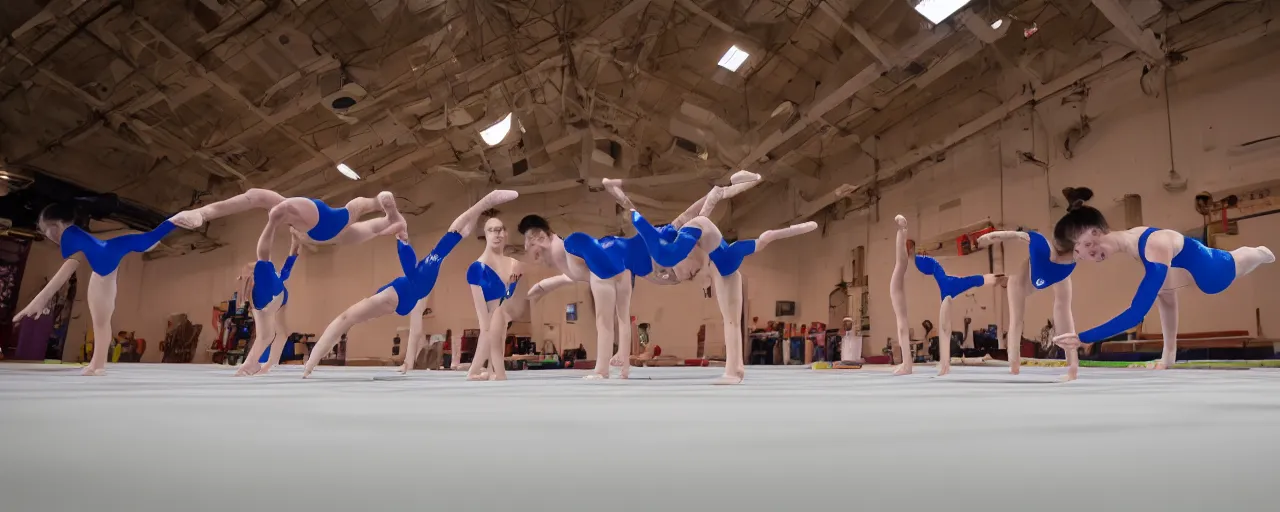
(997, 23)
(498, 131)
(733, 59)
(348, 171)
(936, 11)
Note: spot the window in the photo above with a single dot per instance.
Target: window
(733, 58)
(936, 11)
(494, 134)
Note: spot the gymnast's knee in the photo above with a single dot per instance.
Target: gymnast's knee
(263, 198)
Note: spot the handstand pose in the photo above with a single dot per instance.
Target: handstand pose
(268, 297)
(403, 295)
(57, 223)
(1084, 231)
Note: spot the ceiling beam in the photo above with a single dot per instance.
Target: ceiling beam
(820, 106)
(882, 51)
(1144, 41)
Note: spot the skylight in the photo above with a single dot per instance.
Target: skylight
(494, 134)
(938, 10)
(348, 171)
(733, 58)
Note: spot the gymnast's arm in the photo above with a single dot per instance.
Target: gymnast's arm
(36, 307)
(1002, 236)
(549, 285)
(287, 268)
(1159, 257)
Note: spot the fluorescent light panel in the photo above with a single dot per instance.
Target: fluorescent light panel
(733, 59)
(996, 24)
(348, 171)
(494, 134)
(936, 11)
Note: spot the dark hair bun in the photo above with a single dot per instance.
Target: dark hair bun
(533, 222)
(1076, 197)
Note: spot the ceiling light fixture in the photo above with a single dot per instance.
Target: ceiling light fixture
(997, 24)
(348, 171)
(936, 11)
(498, 131)
(733, 58)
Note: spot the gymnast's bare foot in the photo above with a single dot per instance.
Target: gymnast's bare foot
(944, 368)
(306, 371)
(614, 188)
(248, 368)
(1015, 369)
(902, 369)
(396, 223)
(478, 376)
(598, 375)
(731, 377)
(1158, 365)
(190, 219)
(94, 371)
(404, 368)
(266, 368)
(743, 177)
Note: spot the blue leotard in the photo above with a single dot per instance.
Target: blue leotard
(611, 255)
(267, 285)
(104, 255)
(419, 276)
(332, 221)
(666, 245)
(1212, 269)
(949, 286)
(1044, 271)
(492, 286)
(728, 257)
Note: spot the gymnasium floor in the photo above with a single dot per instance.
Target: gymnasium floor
(192, 438)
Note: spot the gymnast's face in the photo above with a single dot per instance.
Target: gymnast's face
(537, 243)
(52, 229)
(1089, 245)
(495, 234)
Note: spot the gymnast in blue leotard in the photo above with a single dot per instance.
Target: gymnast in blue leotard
(1041, 272)
(406, 295)
(949, 286)
(1085, 231)
(268, 314)
(57, 222)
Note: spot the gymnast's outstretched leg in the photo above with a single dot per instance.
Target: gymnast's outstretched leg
(382, 303)
(254, 198)
(391, 222)
(1248, 258)
(898, 297)
(944, 328)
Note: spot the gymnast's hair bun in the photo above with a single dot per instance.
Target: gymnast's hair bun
(533, 222)
(1076, 197)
